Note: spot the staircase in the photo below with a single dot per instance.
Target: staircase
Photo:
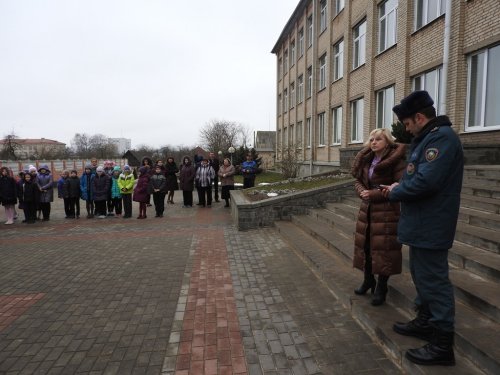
(324, 238)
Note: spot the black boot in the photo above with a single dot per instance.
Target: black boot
(368, 283)
(418, 327)
(380, 291)
(438, 352)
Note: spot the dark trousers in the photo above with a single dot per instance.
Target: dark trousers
(216, 187)
(89, 205)
(205, 195)
(45, 206)
(66, 207)
(248, 182)
(110, 203)
(29, 211)
(187, 197)
(200, 193)
(429, 271)
(72, 205)
(159, 201)
(100, 208)
(127, 204)
(117, 205)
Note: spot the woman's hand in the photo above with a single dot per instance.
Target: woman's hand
(365, 195)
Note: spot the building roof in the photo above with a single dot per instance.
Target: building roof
(34, 141)
(297, 13)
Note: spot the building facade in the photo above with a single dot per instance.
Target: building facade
(122, 144)
(265, 146)
(35, 148)
(342, 65)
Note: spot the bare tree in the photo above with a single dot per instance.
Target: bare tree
(290, 158)
(219, 135)
(10, 147)
(81, 145)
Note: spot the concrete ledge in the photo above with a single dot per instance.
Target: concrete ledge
(250, 215)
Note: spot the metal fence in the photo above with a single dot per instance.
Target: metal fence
(55, 166)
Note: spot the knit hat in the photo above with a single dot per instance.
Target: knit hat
(413, 103)
(126, 167)
(116, 168)
(88, 166)
(99, 169)
(32, 168)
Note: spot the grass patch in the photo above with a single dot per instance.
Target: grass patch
(267, 176)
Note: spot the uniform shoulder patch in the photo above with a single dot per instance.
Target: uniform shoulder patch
(431, 154)
(410, 169)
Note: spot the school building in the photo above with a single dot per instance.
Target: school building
(342, 66)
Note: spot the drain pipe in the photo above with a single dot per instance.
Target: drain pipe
(446, 58)
(313, 89)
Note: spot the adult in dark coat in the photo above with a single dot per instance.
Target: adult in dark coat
(186, 177)
(101, 185)
(376, 248)
(8, 194)
(28, 195)
(46, 186)
(141, 194)
(171, 171)
(215, 164)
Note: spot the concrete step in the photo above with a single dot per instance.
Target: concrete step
(480, 190)
(480, 203)
(480, 293)
(480, 262)
(484, 181)
(338, 274)
(344, 210)
(483, 238)
(479, 218)
(488, 171)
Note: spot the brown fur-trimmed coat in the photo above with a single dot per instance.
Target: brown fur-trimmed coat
(383, 215)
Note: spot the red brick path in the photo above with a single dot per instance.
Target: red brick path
(13, 306)
(210, 341)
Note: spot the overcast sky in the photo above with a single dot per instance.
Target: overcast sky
(154, 71)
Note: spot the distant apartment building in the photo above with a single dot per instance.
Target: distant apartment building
(265, 146)
(41, 148)
(122, 144)
(342, 66)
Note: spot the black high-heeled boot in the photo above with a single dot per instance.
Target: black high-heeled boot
(368, 283)
(380, 291)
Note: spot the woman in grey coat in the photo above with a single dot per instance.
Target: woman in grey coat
(46, 187)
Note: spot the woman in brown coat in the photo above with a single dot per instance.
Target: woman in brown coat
(226, 174)
(376, 248)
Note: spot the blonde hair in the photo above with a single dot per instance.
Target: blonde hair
(386, 133)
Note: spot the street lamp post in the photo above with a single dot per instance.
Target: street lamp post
(231, 152)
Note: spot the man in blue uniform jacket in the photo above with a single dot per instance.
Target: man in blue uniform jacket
(429, 193)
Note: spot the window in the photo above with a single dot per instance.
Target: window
(292, 95)
(322, 72)
(285, 100)
(291, 136)
(280, 62)
(279, 138)
(285, 61)
(309, 31)
(336, 125)
(357, 120)
(339, 5)
(385, 102)
(427, 11)
(280, 104)
(308, 132)
(301, 42)
(483, 90)
(387, 24)
(285, 137)
(299, 134)
(431, 82)
(309, 81)
(323, 16)
(321, 129)
(292, 53)
(300, 91)
(338, 60)
(359, 45)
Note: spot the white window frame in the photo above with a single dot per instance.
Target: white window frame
(280, 104)
(357, 113)
(309, 82)
(484, 95)
(338, 60)
(292, 53)
(310, 30)
(436, 91)
(301, 42)
(299, 134)
(280, 70)
(384, 117)
(322, 72)
(359, 45)
(389, 18)
(321, 129)
(422, 11)
(285, 100)
(336, 126)
(292, 95)
(323, 15)
(300, 89)
(285, 61)
(339, 5)
(309, 132)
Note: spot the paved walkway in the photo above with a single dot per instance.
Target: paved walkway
(182, 294)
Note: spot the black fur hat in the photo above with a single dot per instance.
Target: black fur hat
(412, 104)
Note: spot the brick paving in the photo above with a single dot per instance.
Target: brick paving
(184, 294)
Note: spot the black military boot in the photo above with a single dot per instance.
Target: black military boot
(438, 352)
(380, 291)
(418, 327)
